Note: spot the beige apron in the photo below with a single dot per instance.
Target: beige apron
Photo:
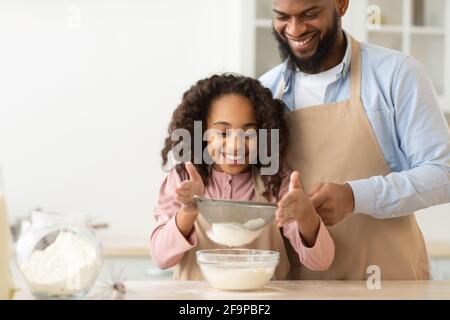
(270, 239)
(335, 143)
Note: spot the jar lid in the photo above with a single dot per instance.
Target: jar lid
(44, 218)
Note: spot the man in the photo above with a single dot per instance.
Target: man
(368, 138)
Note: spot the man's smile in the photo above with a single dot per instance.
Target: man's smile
(302, 43)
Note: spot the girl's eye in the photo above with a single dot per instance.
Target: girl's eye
(250, 134)
(221, 133)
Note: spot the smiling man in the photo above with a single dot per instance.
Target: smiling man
(367, 136)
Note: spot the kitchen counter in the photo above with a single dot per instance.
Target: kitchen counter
(276, 290)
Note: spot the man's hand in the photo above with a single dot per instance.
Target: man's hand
(333, 202)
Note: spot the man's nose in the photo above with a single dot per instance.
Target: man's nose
(296, 28)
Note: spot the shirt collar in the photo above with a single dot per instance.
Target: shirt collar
(243, 176)
(347, 57)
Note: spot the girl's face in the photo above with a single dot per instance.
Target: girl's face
(232, 134)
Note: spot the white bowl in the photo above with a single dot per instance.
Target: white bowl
(237, 269)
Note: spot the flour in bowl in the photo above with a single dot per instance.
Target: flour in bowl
(254, 224)
(238, 279)
(236, 234)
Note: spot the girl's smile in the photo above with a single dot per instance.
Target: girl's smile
(232, 116)
(235, 158)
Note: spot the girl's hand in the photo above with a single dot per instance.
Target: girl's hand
(297, 206)
(190, 188)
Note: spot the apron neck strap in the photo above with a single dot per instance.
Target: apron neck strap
(355, 70)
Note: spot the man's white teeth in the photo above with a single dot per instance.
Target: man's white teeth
(304, 42)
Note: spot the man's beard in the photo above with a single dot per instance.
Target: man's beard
(312, 64)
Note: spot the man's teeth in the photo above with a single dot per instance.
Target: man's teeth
(304, 42)
(233, 157)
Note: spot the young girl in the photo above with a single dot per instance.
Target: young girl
(224, 104)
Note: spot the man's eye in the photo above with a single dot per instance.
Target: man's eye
(282, 18)
(312, 15)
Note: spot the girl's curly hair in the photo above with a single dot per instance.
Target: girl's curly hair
(195, 107)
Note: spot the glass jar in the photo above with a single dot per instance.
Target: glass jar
(59, 255)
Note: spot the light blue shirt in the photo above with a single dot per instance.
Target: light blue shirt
(403, 109)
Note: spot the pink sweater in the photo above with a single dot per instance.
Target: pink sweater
(168, 245)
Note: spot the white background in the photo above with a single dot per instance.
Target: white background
(84, 108)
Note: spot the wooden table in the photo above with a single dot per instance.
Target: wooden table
(279, 290)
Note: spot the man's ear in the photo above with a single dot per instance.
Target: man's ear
(342, 6)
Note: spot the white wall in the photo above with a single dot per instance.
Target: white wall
(83, 111)
(435, 223)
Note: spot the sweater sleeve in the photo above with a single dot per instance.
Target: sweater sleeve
(167, 243)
